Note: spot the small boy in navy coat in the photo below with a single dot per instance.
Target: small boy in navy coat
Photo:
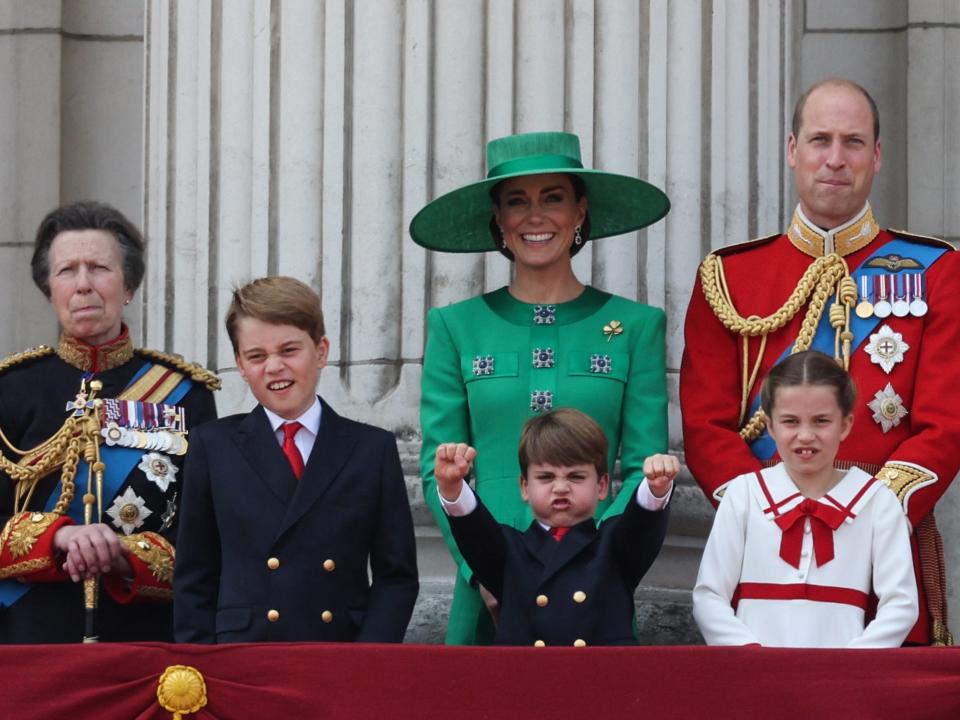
(565, 581)
(285, 507)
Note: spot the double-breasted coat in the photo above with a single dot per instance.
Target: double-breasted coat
(578, 591)
(265, 557)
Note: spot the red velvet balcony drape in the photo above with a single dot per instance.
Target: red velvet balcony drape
(268, 681)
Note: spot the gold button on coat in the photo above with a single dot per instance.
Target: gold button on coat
(329, 565)
(579, 596)
(273, 615)
(273, 563)
(542, 600)
(539, 643)
(326, 616)
(579, 643)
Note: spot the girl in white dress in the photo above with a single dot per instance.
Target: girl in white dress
(797, 550)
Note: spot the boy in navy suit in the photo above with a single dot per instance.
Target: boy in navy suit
(564, 581)
(284, 508)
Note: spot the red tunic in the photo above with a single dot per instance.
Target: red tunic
(921, 452)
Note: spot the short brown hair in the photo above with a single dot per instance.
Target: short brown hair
(278, 301)
(89, 216)
(564, 437)
(835, 82)
(809, 368)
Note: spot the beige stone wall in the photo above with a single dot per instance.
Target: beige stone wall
(258, 136)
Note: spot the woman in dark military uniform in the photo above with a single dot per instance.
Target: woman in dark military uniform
(93, 403)
(546, 341)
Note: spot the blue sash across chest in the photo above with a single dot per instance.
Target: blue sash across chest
(763, 448)
(119, 462)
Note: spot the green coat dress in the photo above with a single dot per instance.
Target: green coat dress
(492, 362)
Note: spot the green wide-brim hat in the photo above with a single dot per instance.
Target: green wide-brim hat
(460, 220)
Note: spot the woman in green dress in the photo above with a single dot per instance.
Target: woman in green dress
(545, 341)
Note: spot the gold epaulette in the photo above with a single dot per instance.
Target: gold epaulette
(924, 239)
(195, 371)
(31, 354)
(747, 245)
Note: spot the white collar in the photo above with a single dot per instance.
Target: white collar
(310, 419)
(785, 495)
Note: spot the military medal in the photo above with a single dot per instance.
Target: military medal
(159, 469)
(888, 409)
(901, 305)
(886, 348)
(129, 511)
(918, 308)
(883, 308)
(864, 308)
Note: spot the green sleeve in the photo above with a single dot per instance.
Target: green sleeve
(643, 419)
(444, 417)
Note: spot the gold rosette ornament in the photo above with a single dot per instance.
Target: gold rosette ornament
(181, 690)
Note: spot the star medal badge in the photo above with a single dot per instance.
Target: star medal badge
(864, 308)
(159, 469)
(128, 511)
(888, 409)
(886, 348)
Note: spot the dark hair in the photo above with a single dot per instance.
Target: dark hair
(88, 216)
(835, 82)
(278, 301)
(563, 437)
(809, 368)
(579, 191)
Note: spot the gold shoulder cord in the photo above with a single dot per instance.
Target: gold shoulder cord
(825, 276)
(195, 371)
(79, 435)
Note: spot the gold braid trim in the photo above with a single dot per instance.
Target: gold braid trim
(154, 551)
(24, 568)
(32, 354)
(195, 371)
(22, 530)
(827, 275)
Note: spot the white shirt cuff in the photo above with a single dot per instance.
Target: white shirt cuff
(465, 503)
(648, 501)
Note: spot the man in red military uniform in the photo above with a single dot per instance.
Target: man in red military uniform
(881, 301)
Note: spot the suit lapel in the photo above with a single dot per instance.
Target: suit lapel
(260, 448)
(577, 538)
(332, 449)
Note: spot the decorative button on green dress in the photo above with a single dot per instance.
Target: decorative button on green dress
(492, 362)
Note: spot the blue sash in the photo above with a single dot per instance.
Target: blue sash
(764, 448)
(119, 462)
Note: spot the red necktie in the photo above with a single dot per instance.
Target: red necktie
(290, 448)
(558, 533)
(823, 521)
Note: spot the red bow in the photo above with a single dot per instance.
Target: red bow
(823, 521)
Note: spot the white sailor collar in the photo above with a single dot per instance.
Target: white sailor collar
(777, 494)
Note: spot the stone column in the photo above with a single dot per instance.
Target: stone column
(72, 131)
(30, 49)
(301, 137)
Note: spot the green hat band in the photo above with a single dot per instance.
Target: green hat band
(533, 163)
